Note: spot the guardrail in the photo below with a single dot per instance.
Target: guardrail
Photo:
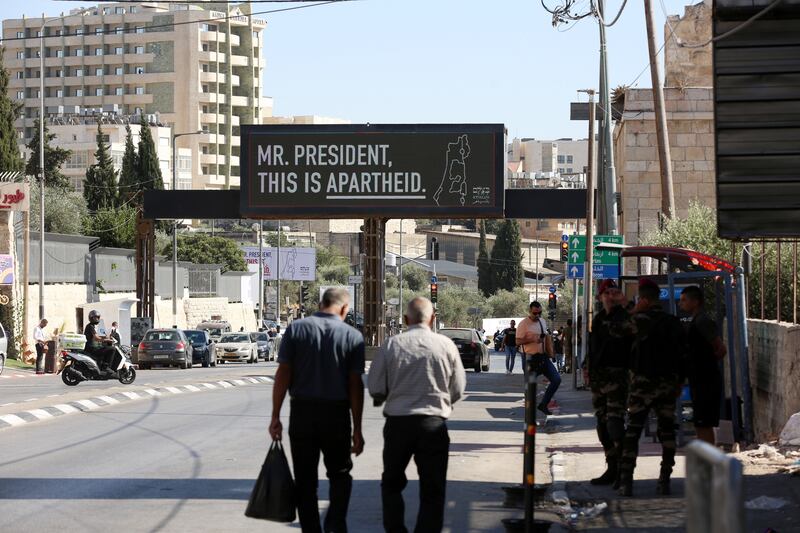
(714, 493)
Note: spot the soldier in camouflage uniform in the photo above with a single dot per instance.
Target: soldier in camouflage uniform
(657, 373)
(609, 354)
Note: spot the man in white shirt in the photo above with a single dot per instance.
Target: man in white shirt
(420, 376)
(40, 338)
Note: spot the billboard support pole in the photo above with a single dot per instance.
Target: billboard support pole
(587, 269)
(278, 278)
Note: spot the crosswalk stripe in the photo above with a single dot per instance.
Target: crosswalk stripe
(41, 414)
(12, 420)
(65, 408)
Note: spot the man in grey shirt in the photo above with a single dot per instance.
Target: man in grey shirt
(420, 376)
(321, 361)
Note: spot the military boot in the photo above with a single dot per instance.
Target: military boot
(663, 488)
(609, 476)
(626, 484)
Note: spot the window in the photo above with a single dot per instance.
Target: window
(79, 31)
(20, 95)
(59, 73)
(138, 111)
(79, 72)
(118, 50)
(38, 33)
(561, 159)
(119, 10)
(78, 92)
(79, 51)
(560, 170)
(569, 170)
(98, 51)
(569, 159)
(184, 162)
(59, 33)
(204, 169)
(205, 149)
(116, 159)
(119, 30)
(59, 93)
(20, 35)
(138, 69)
(138, 50)
(98, 31)
(205, 48)
(118, 71)
(205, 109)
(139, 29)
(20, 75)
(98, 71)
(119, 91)
(20, 55)
(98, 91)
(106, 11)
(102, 138)
(205, 67)
(163, 141)
(139, 90)
(77, 160)
(59, 53)
(205, 88)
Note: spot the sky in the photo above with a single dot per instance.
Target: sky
(442, 61)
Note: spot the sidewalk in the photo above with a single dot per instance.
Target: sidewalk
(576, 456)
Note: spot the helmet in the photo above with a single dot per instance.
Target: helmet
(94, 316)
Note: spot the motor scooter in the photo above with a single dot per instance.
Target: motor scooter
(79, 366)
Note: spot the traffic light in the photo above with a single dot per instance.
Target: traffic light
(434, 292)
(552, 301)
(303, 294)
(564, 250)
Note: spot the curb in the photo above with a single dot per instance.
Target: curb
(97, 402)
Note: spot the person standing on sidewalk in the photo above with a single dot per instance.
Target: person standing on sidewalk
(535, 344)
(115, 333)
(418, 373)
(321, 361)
(509, 344)
(569, 353)
(706, 350)
(40, 338)
(657, 372)
(609, 353)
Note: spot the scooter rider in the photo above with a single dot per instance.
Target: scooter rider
(96, 344)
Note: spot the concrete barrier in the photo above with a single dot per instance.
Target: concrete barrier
(714, 493)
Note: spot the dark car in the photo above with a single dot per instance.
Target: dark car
(473, 352)
(202, 347)
(498, 341)
(165, 347)
(264, 343)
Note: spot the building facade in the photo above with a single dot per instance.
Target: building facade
(165, 61)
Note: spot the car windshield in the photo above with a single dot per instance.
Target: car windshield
(196, 336)
(215, 332)
(163, 336)
(457, 334)
(262, 337)
(240, 337)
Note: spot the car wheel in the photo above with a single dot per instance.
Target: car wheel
(205, 362)
(186, 365)
(478, 366)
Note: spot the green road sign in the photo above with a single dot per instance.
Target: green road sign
(577, 250)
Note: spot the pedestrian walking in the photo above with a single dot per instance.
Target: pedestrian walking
(609, 352)
(509, 345)
(558, 347)
(706, 351)
(419, 375)
(321, 361)
(656, 375)
(569, 352)
(537, 346)
(114, 334)
(40, 338)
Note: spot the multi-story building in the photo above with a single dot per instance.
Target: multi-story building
(78, 134)
(193, 67)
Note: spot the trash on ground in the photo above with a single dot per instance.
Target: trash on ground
(765, 503)
(790, 436)
(585, 511)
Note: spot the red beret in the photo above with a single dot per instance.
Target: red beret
(607, 284)
(647, 282)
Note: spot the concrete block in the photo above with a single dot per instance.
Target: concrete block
(635, 166)
(678, 153)
(695, 153)
(683, 165)
(705, 139)
(704, 165)
(686, 139)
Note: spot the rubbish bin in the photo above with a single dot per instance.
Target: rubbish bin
(50, 358)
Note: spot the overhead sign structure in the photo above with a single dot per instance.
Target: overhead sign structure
(605, 263)
(296, 264)
(15, 197)
(388, 170)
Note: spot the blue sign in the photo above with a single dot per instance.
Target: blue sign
(565, 238)
(664, 293)
(575, 271)
(552, 289)
(434, 279)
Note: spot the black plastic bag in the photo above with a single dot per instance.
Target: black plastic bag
(273, 495)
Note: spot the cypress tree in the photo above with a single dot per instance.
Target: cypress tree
(54, 157)
(10, 158)
(127, 175)
(149, 172)
(507, 257)
(100, 184)
(485, 280)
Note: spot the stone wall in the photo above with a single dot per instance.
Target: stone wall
(774, 375)
(689, 67)
(690, 122)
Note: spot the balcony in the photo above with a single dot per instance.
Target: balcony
(133, 99)
(212, 159)
(211, 98)
(239, 61)
(212, 77)
(240, 101)
(212, 57)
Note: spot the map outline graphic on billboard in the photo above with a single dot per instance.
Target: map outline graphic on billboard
(298, 263)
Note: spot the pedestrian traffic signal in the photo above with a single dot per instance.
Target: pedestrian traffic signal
(552, 301)
(434, 292)
(564, 250)
(303, 294)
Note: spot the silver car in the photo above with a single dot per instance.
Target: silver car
(237, 347)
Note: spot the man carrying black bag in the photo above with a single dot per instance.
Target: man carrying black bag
(321, 361)
(273, 495)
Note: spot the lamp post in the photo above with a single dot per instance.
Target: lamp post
(175, 226)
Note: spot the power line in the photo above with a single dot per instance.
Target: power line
(168, 25)
(596, 9)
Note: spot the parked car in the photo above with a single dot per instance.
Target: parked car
(164, 347)
(236, 347)
(498, 340)
(202, 347)
(473, 352)
(263, 343)
(3, 348)
(215, 328)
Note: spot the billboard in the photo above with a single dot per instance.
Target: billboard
(296, 264)
(15, 197)
(6, 269)
(353, 171)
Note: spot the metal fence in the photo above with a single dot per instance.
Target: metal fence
(773, 279)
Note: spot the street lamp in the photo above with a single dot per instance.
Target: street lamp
(175, 226)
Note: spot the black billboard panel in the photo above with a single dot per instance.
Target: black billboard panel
(354, 171)
(757, 119)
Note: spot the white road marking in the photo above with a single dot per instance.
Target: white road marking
(13, 420)
(131, 395)
(191, 388)
(209, 385)
(66, 408)
(41, 414)
(88, 404)
(30, 400)
(224, 384)
(108, 399)
(239, 381)
(152, 392)
(174, 390)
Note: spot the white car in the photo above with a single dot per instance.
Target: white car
(236, 347)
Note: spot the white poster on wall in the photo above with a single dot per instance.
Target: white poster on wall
(350, 289)
(296, 264)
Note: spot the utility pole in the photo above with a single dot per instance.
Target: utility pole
(588, 264)
(400, 274)
(278, 278)
(260, 275)
(607, 155)
(662, 134)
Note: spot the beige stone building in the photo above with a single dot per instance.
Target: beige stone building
(690, 120)
(160, 59)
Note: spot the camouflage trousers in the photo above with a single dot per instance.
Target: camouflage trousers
(609, 400)
(659, 395)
